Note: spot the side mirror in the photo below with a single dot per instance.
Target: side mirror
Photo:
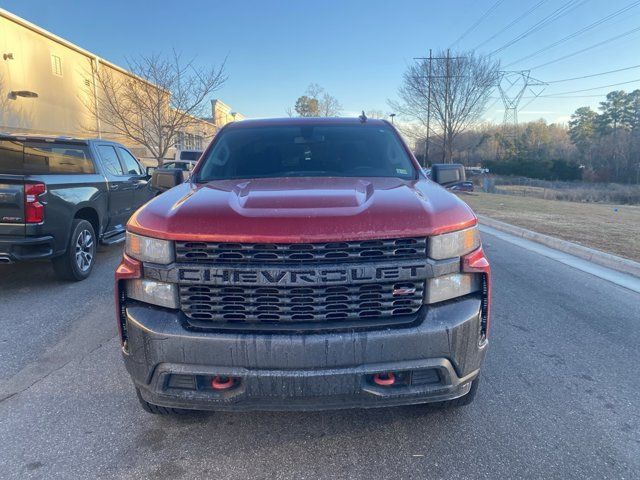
(166, 178)
(447, 173)
(150, 171)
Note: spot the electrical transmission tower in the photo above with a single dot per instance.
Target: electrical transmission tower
(523, 82)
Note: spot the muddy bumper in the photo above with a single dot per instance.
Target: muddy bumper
(434, 360)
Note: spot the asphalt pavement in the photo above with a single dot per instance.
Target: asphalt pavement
(559, 394)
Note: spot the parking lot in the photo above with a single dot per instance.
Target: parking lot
(558, 397)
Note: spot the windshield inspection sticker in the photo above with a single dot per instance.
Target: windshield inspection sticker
(401, 171)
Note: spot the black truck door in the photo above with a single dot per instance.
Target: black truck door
(121, 189)
(137, 176)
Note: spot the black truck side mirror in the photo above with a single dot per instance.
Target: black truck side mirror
(447, 173)
(165, 178)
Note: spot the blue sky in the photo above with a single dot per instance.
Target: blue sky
(357, 50)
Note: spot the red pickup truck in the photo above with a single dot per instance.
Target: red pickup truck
(308, 263)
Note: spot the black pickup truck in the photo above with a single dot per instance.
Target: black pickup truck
(60, 196)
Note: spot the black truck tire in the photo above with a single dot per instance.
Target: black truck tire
(157, 409)
(460, 401)
(77, 262)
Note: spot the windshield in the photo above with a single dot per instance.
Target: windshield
(193, 155)
(307, 151)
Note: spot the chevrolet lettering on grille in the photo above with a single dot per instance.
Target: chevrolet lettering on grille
(299, 276)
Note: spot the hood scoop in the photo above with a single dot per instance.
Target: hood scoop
(310, 194)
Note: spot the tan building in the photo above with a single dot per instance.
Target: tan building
(221, 113)
(46, 83)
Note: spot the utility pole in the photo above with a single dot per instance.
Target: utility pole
(446, 108)
(426, 146)
(429, 79)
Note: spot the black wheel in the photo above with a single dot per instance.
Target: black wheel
(77, 262)
(460, 401)
(157, 409)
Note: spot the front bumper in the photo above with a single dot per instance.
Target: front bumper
(18, 249)
(438, 359)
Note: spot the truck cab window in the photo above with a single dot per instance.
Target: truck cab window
(110, 160)
(132, 166)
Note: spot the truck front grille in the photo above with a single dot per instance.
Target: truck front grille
(292, 304)
(328, 252)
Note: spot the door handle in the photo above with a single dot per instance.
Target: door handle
(113, 186)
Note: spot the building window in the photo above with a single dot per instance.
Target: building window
(56, 65)
(188, 141)
(179, 141)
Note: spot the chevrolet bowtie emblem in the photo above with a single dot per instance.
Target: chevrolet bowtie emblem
(403, 291)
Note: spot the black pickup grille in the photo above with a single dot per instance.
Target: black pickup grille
(287, 304)
(330, 252)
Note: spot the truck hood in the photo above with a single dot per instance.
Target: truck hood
(307, 209)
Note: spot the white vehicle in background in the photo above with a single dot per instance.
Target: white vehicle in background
(184, 160)
(188, 155)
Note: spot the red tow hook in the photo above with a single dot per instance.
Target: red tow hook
(221, 382)
(385, 379)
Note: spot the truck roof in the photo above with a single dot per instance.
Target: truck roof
(295, 121)
(48, 138)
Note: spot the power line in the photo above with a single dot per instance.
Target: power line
(533, 99)
(525, 14)
(552, 17)
(544, 96)
(579, 32)
(566, 94)
(478, 22)
(551, 95)
(629, 32)
(572, 96)
(594, 74)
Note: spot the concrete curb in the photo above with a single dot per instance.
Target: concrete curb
(595, 256)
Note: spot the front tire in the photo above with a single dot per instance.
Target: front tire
(77, 262)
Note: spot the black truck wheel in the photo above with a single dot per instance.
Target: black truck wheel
(157, 409)
(77, 262)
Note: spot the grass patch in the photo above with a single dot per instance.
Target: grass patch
(611, 228)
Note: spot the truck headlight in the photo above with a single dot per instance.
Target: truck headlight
(156, 293)
(446, 287)
(147, 249)
(454, 244)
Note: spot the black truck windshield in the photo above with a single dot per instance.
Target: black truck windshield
(307, 151)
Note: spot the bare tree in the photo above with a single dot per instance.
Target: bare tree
(455, 86)
(376, 114)
(316, 102)
(161, 97)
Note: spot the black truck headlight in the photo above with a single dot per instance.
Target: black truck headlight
(446, 287)
(156, 293)
(147, 249)
(454, 244)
